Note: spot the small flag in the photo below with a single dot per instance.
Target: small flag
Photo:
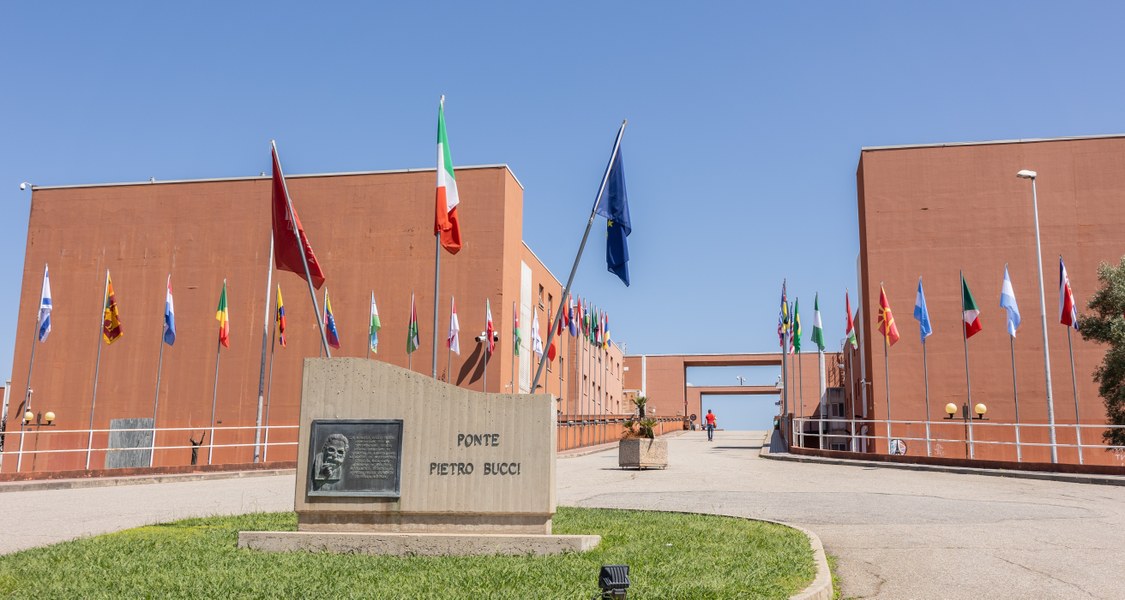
(922, 314)
(280, 318)
(489, 328)
(970, 312)
(111, 319)
(45, 306)
(412, 329)
(561, 322)
(515, 330)
(614, 206)
(1068, 310)
(783, 319)
(1008, 303)
(849, 329)
(536, 341)
(169, 316)
(223, 317)
(330, 323)
(373, 331)
(287, 251)
(571, 320)
(887, 325)
(445, 222)
(817, 327)
(797, 325)
(453, 340)
(605, 325)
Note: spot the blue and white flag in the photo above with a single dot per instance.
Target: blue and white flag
(45, 307)
(1008, 303)
(922, 314)
(169, 316)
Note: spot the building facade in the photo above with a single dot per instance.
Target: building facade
(372, 233)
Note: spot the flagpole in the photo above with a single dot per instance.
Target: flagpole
(1016, 397)
(304, 259)
(262, 368)
(581, 246)
(887, 380)
(851, 388)
(801, 393)
(968, 384)
(926, 383)
(448, 346)
(156, 400)
(97, 367)
(27, 393)
(821, 400)
(269, 389)
(215, 387)
(437, 272)
(1074, 384)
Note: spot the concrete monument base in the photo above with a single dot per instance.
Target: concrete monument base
(415, 544)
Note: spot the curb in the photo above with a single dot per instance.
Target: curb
(70, 484)
(821, 587)
(1041, 475)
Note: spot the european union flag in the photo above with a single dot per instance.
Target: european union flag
(615, 208)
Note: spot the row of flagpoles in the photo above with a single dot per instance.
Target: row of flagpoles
(290, 250)
(789, 332)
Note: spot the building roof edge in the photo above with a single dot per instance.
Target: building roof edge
(992, 142)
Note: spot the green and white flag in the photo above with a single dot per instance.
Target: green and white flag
(412, 332)
(817, 327)
(373, 333)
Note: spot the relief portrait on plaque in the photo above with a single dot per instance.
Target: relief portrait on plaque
(328, 467)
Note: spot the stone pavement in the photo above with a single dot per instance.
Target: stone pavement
(896, 533)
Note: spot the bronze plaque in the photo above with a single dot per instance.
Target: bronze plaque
(355, 458)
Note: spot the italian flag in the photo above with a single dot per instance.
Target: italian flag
(445, 222)
(223, 317)
(817, 327)
(969, 310)
(850, 328)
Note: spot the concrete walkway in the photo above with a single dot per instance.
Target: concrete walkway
(897, 534)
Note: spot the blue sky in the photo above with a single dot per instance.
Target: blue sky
(745, 120)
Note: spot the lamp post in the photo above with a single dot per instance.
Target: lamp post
(1026, 174)
(979, 410)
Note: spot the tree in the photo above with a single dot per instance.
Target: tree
(1107, 325)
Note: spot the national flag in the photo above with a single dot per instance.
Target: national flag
(783, 319)
(614, 206)
(922, 314)
(280, 318)
(453, 340)
(817, 327)
(551, 352)
(373, 330)
(887, 325)
(45, 306)
(1068, 310)
(169, 316)
(571, 318)
(970, 312)
(536, 341)
(445, 222)
(605, 324)
(1008, 303)
(286, 249)
(797, 325)
(561, 321)
(515, 329)
(412, 328)
(849, 329)
(111, 318)
(330, 323)
(490, 328)
(223, 317)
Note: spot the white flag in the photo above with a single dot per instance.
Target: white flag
(536, 341)
(453, 342)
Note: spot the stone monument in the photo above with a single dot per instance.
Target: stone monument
(394, 462)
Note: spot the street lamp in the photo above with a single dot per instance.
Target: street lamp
(1026, 174)
(741, 379)
(979, 410)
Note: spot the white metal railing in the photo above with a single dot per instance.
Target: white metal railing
(877, 435)
(23, 441)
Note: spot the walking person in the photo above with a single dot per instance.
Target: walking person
(710, 426)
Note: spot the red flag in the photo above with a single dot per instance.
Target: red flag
(551, 352)
(887, 325)
(1068, 309)
(287, 253)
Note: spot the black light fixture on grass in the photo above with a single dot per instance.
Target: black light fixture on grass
(613, 580)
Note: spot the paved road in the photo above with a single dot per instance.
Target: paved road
(897, 534)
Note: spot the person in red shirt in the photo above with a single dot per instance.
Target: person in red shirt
(710, 426)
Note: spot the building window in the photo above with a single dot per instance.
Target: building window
(837, 446)
(540, 296)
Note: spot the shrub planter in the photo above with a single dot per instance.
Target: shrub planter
(642, 453)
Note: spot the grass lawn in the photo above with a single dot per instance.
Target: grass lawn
(670, 556)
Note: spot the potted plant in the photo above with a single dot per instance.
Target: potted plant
(639, 448)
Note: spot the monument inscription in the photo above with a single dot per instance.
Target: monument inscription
(360, 457)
